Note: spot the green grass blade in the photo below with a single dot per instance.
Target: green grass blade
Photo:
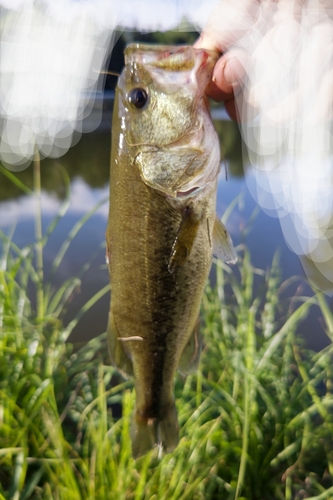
(31, 484)
(298, 315)
(67, 331)
(327, 313)
(64, 206)
(15, 180)
(76, 228)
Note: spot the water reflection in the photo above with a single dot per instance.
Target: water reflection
(89, 159)
(87, 164)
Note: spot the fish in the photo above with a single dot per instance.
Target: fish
(162, 228)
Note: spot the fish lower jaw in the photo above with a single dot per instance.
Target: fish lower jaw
(182, 194)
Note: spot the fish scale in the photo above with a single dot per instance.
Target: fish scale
(159, 242)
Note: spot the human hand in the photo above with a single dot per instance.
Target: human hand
(275, 76)
(227, 24)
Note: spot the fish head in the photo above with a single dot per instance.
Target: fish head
(164, 115)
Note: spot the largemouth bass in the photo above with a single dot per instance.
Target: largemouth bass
(162, 229)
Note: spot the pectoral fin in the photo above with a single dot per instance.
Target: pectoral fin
(183, 243)
(119, 358)
(190, 357)
(222, 245)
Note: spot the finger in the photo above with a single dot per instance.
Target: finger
(231, 109)
(227, 76)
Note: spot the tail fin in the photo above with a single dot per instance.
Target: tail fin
(148, 433)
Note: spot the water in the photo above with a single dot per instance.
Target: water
(87, 164)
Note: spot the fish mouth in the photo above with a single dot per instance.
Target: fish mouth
(167, 57)
(174, 60)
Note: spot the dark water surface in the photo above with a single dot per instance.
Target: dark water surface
(87, 164)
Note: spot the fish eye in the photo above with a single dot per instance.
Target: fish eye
(138, 97)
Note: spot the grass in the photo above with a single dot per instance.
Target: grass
(256, 420)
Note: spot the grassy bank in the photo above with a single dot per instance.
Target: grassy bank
(256, 420)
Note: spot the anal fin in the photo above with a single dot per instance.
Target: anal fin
(119, 358)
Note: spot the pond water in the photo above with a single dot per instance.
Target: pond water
(87, 164)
